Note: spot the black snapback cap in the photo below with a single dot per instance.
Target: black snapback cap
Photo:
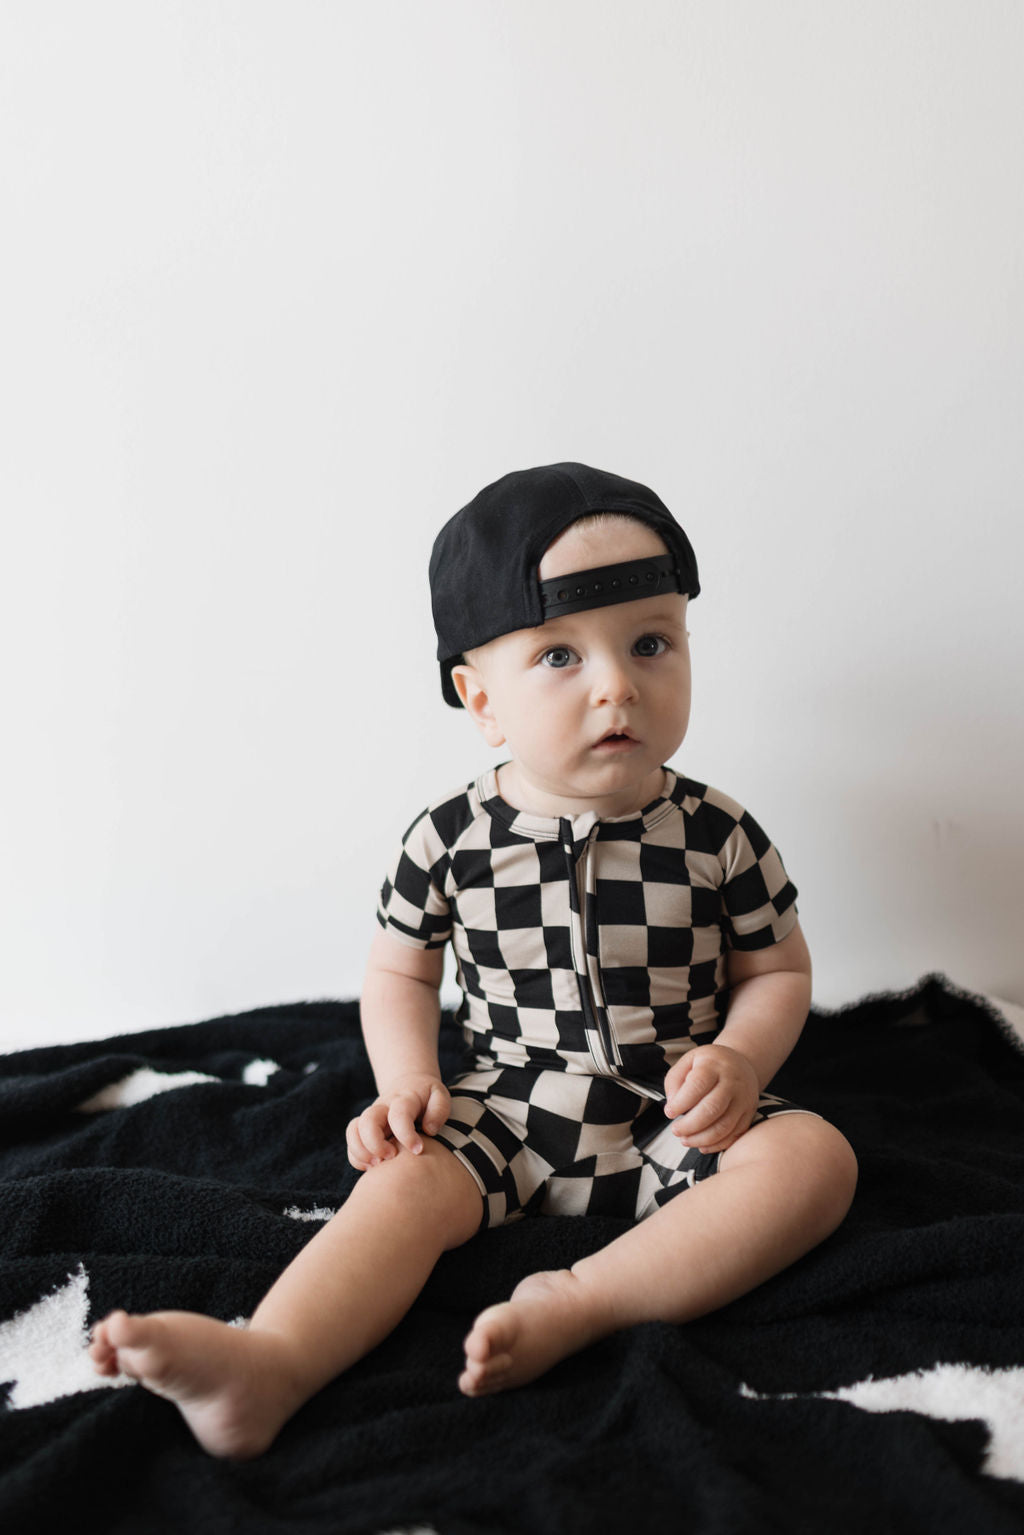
(483, 567)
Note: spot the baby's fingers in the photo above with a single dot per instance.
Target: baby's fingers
(700, 1080)
(402, 1118)
(436, 1112)
(710, 1147)
(718, 1134)
(357, 1152)
(367, 1138)
(715, 1105)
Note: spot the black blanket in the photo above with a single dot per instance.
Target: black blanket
(767, 1416)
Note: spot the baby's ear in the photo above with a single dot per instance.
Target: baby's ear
(469, 685)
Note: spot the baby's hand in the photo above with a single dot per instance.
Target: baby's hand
(714, 1091)
(392, 1118)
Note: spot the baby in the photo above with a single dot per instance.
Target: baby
(633, 976)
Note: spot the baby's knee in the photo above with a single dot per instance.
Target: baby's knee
(434, 1187)
(839, 1152)
(834, 1165)
(813, 1162)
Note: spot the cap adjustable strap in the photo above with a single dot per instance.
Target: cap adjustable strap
(610, 583)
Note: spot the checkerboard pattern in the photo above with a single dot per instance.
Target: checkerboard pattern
(591, 955)
(558, 1143)
(586, 945)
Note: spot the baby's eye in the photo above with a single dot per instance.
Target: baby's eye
(559, 656)
(650, 645)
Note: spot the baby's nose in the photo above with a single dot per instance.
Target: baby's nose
(613, 683)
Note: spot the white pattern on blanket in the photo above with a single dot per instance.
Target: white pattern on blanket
(951, 1393)
(44, 1350)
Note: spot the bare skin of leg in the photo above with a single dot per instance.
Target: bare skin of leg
(780, 1190)
(343, 1293)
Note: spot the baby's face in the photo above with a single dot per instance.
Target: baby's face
(590, 704)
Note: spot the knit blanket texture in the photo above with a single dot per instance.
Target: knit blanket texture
(876, 1385)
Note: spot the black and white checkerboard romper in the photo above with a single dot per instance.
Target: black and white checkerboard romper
(591, 956)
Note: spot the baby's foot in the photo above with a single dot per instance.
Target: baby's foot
(549, 1316)
(228, 1384)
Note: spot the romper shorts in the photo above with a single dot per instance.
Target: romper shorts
(564, 1143)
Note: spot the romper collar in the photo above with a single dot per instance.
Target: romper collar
(550, 829)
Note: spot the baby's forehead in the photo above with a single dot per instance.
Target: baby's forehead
(595, 542)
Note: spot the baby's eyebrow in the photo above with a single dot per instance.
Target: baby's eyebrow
(666, 619)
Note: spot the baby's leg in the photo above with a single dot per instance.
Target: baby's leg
(780, 1190)
(343, 1293)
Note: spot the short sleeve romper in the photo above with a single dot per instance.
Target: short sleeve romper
(591, 955)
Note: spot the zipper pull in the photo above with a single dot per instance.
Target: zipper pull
(572, 849)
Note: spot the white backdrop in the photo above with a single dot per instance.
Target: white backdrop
(283, 284)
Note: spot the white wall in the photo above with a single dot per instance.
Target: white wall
(283, 284)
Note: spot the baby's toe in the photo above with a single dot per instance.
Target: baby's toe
(493, 1333)
(489, 1351)
(101, 1350)
(479, 1378)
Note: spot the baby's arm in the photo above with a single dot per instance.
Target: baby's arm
(714, 1089)
(401, 1015)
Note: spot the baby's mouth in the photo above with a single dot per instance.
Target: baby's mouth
(616, 740)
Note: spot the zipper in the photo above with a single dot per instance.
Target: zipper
(595, 1017)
